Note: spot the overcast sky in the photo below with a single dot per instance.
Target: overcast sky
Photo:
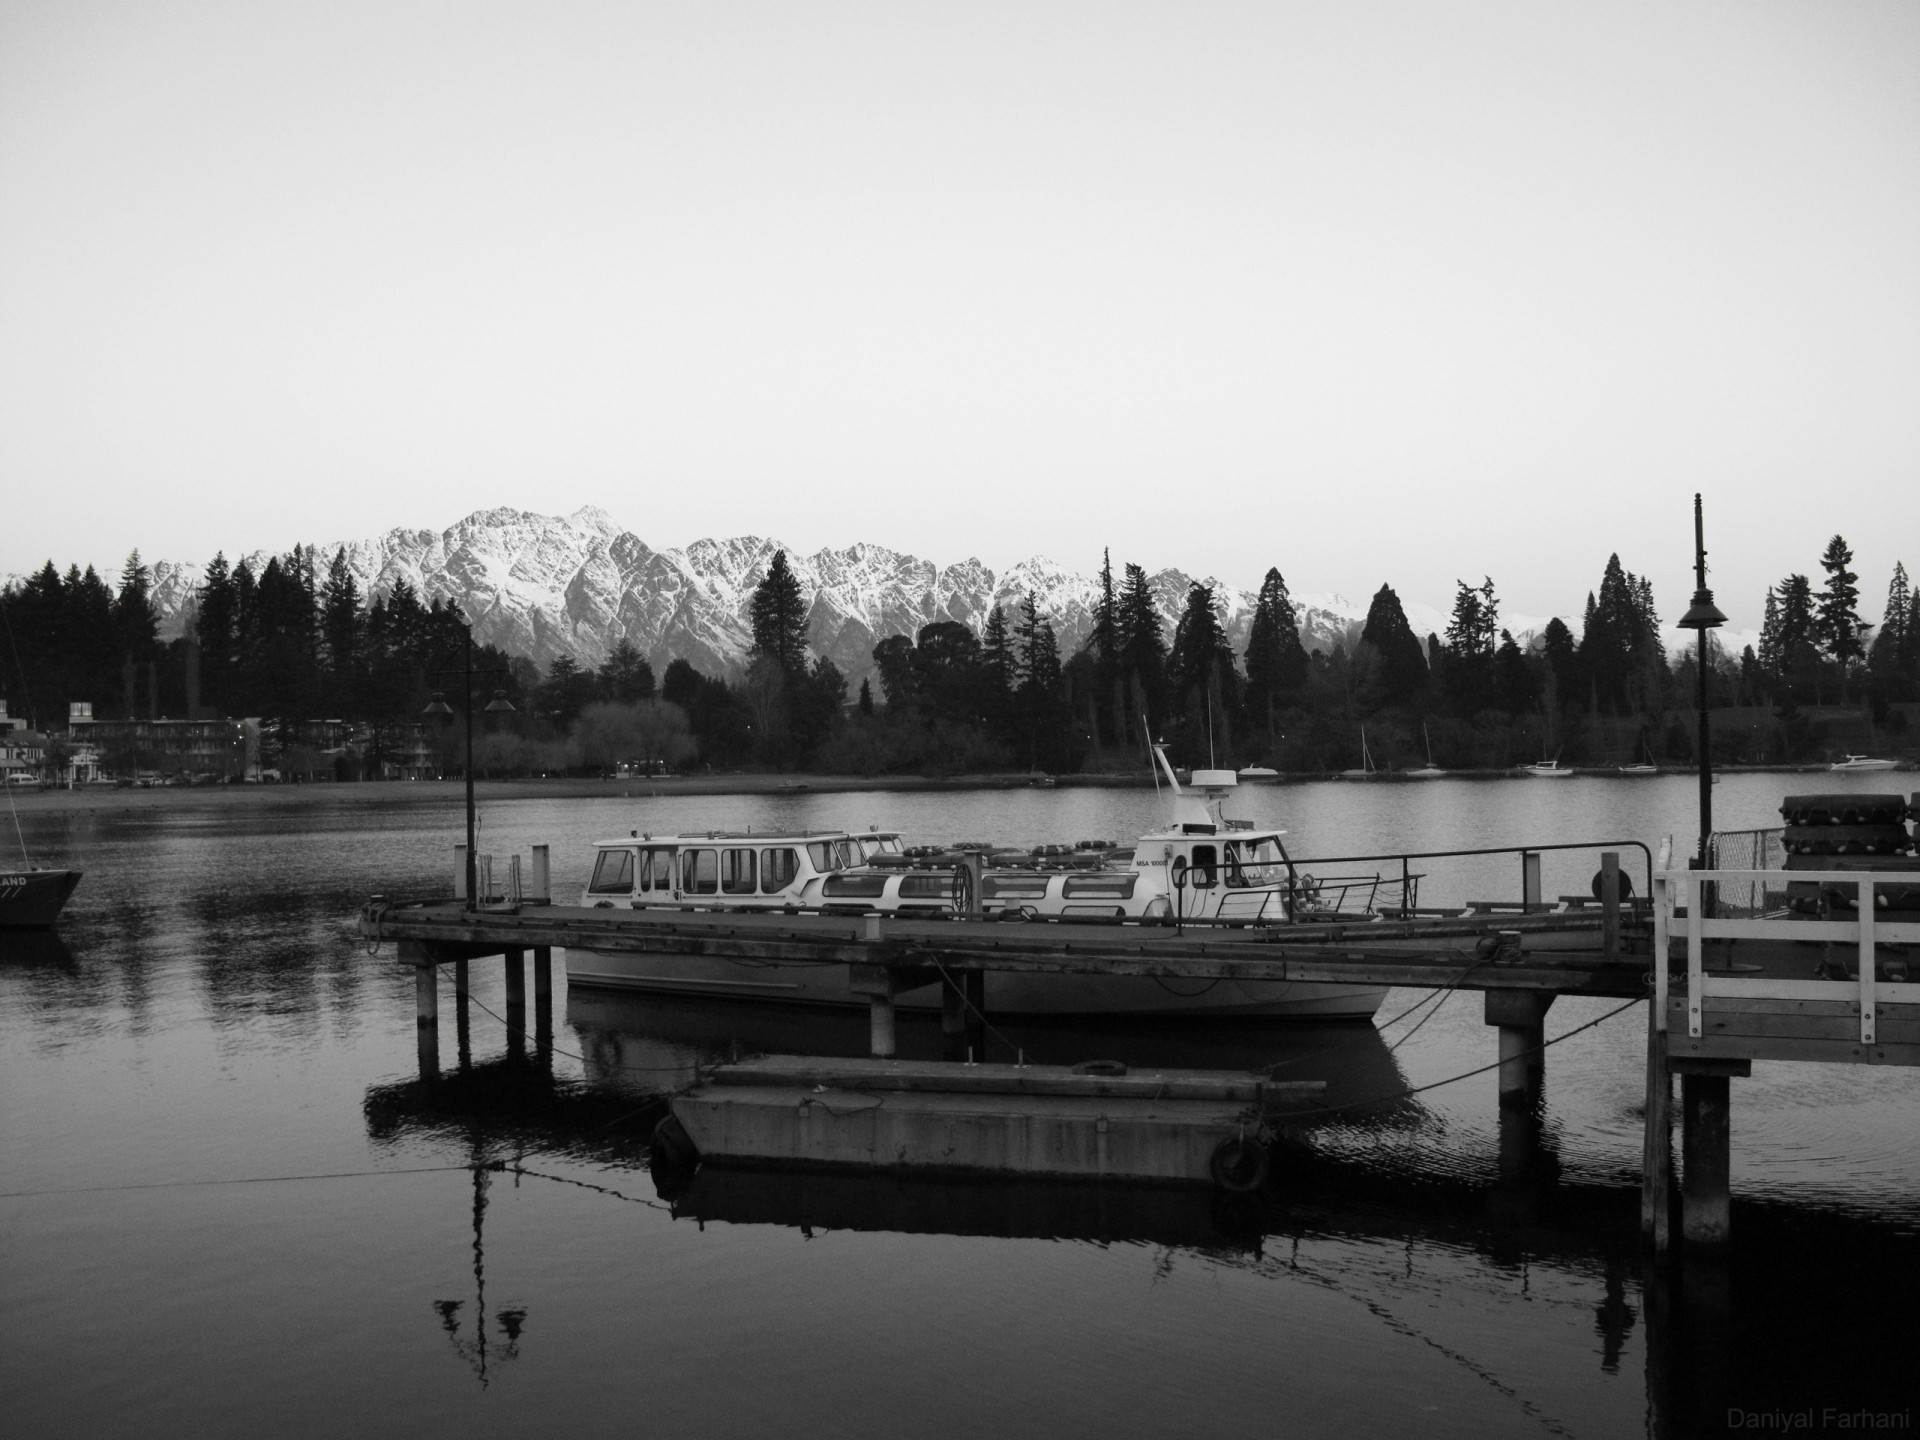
(1405, 292)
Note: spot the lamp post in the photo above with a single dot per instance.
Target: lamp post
(499, 705)
(1703, 615)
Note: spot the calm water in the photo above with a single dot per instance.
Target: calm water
(207, 1024)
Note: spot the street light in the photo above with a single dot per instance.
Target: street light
(499, 705)
(1703, 615)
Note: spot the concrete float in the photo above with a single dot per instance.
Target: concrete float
(1096, 1121)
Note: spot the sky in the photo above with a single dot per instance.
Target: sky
(1370, 292)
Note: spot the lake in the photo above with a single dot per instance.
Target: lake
(231, 1209)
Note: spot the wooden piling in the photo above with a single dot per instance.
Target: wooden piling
(977, 1013)
(543, 998)
(1656, 1143)
(1530, 880)
(516, 1001)
(880, 1025)
(1706, 1144)
(1610, 903)
(462, 1026)
(426, 1010)
(540, 884)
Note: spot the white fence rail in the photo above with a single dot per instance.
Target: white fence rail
(1671, 888)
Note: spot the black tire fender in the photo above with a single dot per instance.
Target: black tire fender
(1240, 1164)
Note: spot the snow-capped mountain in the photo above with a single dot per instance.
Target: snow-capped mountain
(544, 585)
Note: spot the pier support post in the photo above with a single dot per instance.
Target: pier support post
(1706, 1144)
(426, 1013)
(1656, 1143)
(1610, 903)
(540, 884)
(1521, 1016)
(977, 1014)
(1530, 880)
(460, 872)
(543, 1000)
(953, 1016)
(880, 1025)
(462, 1029)
(516, 1002)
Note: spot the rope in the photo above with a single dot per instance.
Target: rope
(245, 1180)
(1465, 1075)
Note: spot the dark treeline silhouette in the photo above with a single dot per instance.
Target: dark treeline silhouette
(290, 644)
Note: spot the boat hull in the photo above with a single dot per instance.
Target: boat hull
(1007, 994)
(33, 899)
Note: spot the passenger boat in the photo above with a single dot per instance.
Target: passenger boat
(32, 899)
(1863, 762)
(1200, 867)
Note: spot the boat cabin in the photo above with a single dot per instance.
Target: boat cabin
(715, 870)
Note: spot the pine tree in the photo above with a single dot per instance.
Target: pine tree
(1468, 670)
(341, 625)
(778, 614)
(625, 675)
(1000, 674)
(1395, 659)
(1890, 658)
(1837, 623)
(866, 698)
(1276, 660)
(1143, 654)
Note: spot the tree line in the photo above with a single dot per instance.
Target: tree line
(297, 641)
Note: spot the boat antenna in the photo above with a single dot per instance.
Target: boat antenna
(1211, 762)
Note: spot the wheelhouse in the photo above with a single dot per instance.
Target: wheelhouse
(716, 870)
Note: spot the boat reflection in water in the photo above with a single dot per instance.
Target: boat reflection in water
(1698, 1340)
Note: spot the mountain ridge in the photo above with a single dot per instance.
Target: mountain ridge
(545, 585)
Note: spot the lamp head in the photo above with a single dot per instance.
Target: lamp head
(1703, 614)
(499, 705)
(439, 705)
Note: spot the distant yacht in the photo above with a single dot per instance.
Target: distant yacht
(1863, 762)
(1429, 771)
(1367, 770)
(1547, 770)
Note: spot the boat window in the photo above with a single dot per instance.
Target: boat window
(613, 873)
(848, 853)
(821, 854)
(925, 887)
(736, 872)
(1204, 857)
(863, 887)
(1014, 887)
(1115, 886)
(656, 871)
(1179, 872)
(700, 872)
(888, 844)
(777, 869)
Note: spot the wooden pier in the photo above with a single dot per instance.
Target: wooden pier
(1830, 986)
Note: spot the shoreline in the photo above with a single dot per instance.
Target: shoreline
(560, 788)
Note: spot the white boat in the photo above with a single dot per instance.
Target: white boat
(1640, 769)
(1429, 771)
(1258, 775)
(1863, 762)
(1547, 770)
(1201, 866)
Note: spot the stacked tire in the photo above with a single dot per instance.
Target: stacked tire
(1849, 832)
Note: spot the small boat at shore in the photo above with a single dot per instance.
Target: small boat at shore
(1367, 770)
(1546, 770)
(1428, 771)
(32, 899)
(1849, 763)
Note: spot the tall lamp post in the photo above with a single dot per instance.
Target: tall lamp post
(1703, 615)
(499, 705)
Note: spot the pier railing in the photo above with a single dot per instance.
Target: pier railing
(1763, 1008)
